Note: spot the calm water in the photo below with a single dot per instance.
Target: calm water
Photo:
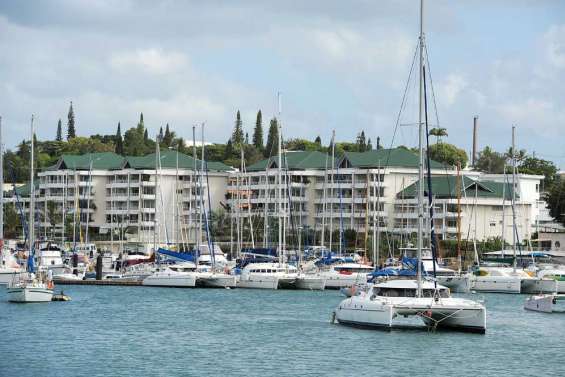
(111, 331)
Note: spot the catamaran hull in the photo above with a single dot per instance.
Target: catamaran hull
(287, 283)
(313, 283)
(170, 280)
(28, 294)
(455, 283)
(496, 284)
(338, 281)
(387, 316)
(217, 281)
(259, 282)
(542, 286)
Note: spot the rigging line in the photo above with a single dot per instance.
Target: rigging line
(431, 83)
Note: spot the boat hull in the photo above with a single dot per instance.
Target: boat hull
(313, 283)
(29, 294)
(541, 286)
(6, 277)
(213, 280)
(258, 281)
(449, 313)
(170, 279)
(337, 281)
(496, 284)
(458, 283)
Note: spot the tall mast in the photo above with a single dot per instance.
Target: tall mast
(1, 191)
(332, 191)
(31, 197)
(193, 183)
(459, 214)
(421, 151)
(514, 240)
(324, 204)
(201, 189)
(279, 181)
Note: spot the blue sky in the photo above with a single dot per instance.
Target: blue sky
(340, 65)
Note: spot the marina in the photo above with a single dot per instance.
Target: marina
(244, 332)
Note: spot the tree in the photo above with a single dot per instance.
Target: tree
(490, 161)
(438, 133)
(237, 134)
(555, 199)
(302, 145)
(369, 145)
(258, 132)
(71, 131)
(272, 146)
(140, 124)
(59, 136)
(379, 146)
(145, 136)
(160, 137)
(448, 154)
(246, 138)
(119, 141)
(538, 166)
(134, 144)
(318, 140)
(361, 142)
(168, 137)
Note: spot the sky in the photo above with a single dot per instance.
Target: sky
(339, 65)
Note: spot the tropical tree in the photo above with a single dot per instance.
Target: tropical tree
(448, 154)
(272, 146)
(258, 132)
(59, 136)
(71, 130)
(438, 133)
(555, 199)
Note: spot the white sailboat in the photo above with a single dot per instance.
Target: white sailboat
(32, 288)
(384, 305)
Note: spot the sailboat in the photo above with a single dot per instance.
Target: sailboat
(272, 274)
(32, 288)
(385, 304)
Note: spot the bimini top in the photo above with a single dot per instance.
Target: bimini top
(408, 284)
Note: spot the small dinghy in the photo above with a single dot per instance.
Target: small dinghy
(549, 303)
(61, 297)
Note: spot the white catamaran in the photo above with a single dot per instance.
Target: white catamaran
(384, 305)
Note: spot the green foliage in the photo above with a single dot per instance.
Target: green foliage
(82, 145)
(490, 161)
(555, 199)
(303, 145)
(12, 224)
(448, 154)
(272, 146)
(318, 140)
(71, 130)
(438, 133)
(538, 166)
(361, 142)
(119, 141)
(237, 134)
(168, 137)
(59, 136)
(134, 144)
(258, 132)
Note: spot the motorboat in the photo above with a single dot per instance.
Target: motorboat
(385, 305)
(271, 275)
(342, 275)
(29, 290)
(546, 303)
(9, 267)
(169, 277)
(49, 257)
(496, 280)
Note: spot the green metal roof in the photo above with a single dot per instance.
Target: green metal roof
(445, 187)
(100, 161)
(295, 160)
(24, 190)
(395, 157)
(169, 161)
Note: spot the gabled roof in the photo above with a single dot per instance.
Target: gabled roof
(169, 161)
(293, 160)
(395, 157)
(100, 161)
(445, 187)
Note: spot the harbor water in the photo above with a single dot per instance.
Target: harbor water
(142, 331)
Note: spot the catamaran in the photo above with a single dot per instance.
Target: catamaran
(386, 304)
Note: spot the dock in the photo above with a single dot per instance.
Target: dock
(99, 282)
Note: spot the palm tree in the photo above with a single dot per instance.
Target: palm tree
(438, 133)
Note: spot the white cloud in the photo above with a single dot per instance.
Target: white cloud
(152, 61)
(536, 114)
(554, 40)
(451, 87)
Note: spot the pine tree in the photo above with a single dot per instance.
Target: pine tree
(318, 140)
(246, 138)
(237, 134)
(258, 132)
(160, 137)
(140, 125)
(379, 146)
(71, 131)
(119, 141)
(361, 143)
(168, 138)
(59, 136)
(272, 146)
(369, 145)
(145, 137)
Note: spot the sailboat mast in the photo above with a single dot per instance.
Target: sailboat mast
(514, 240)
(1, 191)
(421, 151)
(279, 181)
(31, 197)
(459, 214)
(332, 191)
(193, 178)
